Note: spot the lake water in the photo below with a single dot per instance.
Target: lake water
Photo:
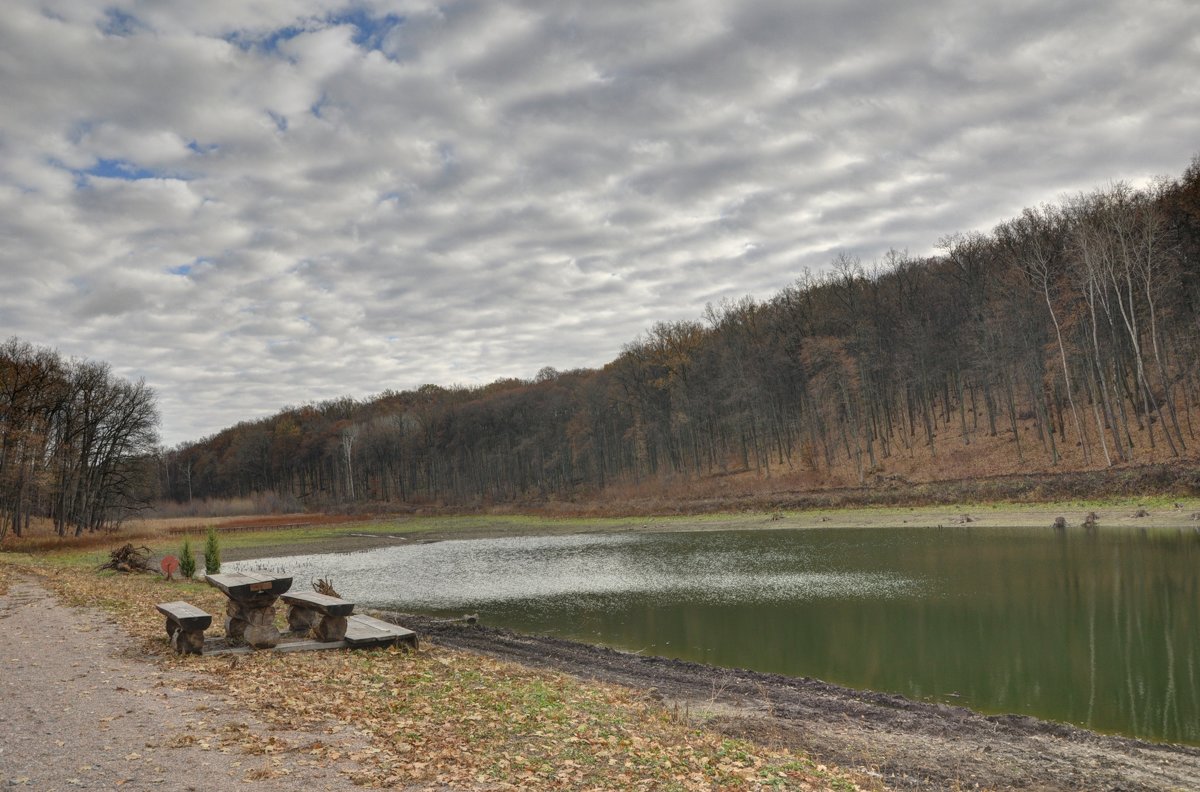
(1101, 630)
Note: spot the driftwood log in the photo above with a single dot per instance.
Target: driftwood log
(128, 558)
(325, 586)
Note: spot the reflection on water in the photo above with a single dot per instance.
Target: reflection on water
(1096, 629)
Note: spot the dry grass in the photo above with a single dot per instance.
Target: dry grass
(151, 526)
(41, 537)
(257, 504)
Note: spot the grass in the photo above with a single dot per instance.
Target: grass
(436, 716)
(1114, 512)
(241, 542)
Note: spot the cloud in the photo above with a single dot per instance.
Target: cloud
(260, 204)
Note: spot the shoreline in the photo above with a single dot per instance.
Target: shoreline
(905, 743)
(1182, 515)
(893, 740)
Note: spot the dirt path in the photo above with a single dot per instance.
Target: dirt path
(908, 744)
(78, 710)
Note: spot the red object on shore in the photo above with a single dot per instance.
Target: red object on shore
(169, 565)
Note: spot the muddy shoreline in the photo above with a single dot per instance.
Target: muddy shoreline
(1182, 517)
(899, 742)
(905, 744)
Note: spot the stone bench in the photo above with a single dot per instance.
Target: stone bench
(325, 616)
(185, 625)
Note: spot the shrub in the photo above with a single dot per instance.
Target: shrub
(212, 552)
(187, 559)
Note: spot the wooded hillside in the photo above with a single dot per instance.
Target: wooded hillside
(1065, 339)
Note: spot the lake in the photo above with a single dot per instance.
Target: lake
(1097, 629)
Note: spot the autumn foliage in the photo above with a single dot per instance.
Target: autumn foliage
(1065, 339)
(438, 717)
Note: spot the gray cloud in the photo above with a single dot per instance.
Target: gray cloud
(254, 205)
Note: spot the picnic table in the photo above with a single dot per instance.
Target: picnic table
(250, 612)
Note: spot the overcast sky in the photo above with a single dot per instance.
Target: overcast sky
(256, 203)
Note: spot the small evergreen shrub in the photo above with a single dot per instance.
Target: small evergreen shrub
(187, 559)
(212, 552)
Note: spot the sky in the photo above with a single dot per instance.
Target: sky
(260, 203)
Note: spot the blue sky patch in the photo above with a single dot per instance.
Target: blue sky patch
(317, 105)
(246, 40)
(202, 148)
(114, 169)
(120, 23)
(122, 169)
(186, 269)
(370, 31)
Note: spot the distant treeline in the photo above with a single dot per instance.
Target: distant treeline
(77, 444)
(1069, 335)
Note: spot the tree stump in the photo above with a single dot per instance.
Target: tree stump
(262, 636)
(330, 628)
(301, 620)
(254, 625)
(323, 614)
(235, 630)
(188, 641)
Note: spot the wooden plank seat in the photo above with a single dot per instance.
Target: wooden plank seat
(323, 615)
(363, 631)
(185, 625)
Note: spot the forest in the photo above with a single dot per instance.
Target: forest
(77, 444)
(1066, 338)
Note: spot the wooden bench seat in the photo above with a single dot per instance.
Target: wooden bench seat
(330, 606)
(321, 614)
(185, 625)
(364, 631)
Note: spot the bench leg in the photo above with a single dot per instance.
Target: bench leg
(260, 630)
(235, 630)
(301, 620)
(331, 628)
(188, 641)
(185, 641)
(255, 626)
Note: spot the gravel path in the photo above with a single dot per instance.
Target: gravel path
(79, 710)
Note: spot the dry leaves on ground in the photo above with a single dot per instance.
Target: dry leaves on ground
(437, 716)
